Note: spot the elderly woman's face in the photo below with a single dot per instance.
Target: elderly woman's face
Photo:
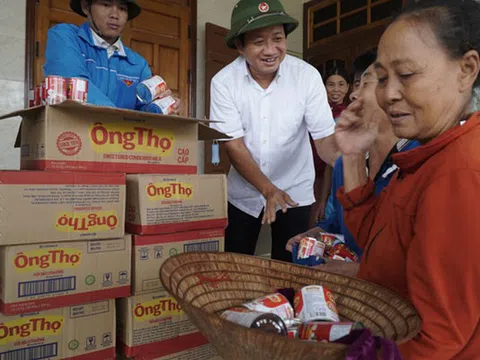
(418, 83)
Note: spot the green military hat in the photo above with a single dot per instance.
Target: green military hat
(249, 15)
(133, 9)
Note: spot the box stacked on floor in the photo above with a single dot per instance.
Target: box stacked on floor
(78, 239)
(168, 214)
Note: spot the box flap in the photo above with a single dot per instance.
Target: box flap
(23, 112)
(207, 133)
(204, 132)
(130, 114)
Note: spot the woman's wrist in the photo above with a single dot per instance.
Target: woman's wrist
(354, 171)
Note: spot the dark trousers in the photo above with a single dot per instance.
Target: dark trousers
(242, 232)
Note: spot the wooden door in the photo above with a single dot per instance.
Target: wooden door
(161, 34)
(217, 56)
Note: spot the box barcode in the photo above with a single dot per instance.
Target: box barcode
(32, 353)
(210, 246)
(40, 287)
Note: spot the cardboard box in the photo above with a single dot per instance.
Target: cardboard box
(47, 276)
(154, 325)
(37, 206)
(159, 204)
(150, 251)
(82, 332)
(203, 352)
(80, 137)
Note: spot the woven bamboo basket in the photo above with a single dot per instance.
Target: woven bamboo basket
(206, 283)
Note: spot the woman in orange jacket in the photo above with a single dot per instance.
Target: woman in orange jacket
(421, 234)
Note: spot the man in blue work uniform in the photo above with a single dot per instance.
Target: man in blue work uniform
(94, 51)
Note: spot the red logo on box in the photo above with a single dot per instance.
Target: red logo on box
(69, 143)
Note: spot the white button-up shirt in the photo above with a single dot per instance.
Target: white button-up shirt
(274, 124)
(117, 46)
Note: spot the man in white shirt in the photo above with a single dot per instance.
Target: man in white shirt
(268, 102)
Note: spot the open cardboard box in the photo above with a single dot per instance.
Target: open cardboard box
(81, 137)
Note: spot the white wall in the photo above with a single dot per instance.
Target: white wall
(12, 60)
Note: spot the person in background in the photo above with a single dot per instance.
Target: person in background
(420, 235)
(337, 86)
(360, 64)
(268, 103)
(379, 163)
(94, 51)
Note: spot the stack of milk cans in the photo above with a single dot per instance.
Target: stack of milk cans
(73, 283)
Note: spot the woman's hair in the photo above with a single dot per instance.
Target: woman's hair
(338, 71)
(363, 61)
(455, 24)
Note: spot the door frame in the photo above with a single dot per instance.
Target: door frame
(30, 52)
